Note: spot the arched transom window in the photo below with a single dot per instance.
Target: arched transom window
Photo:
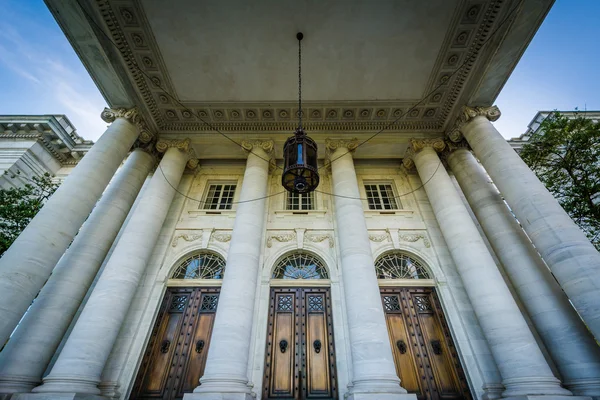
(300, 266)
(400, 266)
(203, 265)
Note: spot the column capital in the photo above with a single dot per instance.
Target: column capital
(266, 145)
(416, 145)
(133, 116)
(332, 145)
(467, 114)
(162, 145)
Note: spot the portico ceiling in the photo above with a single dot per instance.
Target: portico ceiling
(233, 63)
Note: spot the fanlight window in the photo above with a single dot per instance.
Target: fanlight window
(400, 266)
(201, 266)
(300, 266)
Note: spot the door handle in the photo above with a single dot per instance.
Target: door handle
(283, 344)
(164, 347)
(401, 346)
(199, 346)
(317, 346)
(436, 346)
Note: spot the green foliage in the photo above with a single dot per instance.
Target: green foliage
(565, 156)
(18, 205)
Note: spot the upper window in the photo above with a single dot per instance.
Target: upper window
(400, 266)
(380, 196)
(219, 196)
(300, 266)
(201, 266)
(300, 201)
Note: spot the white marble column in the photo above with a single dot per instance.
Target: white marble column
(564, 247)
(226, 371)
(374, 373)
(570, 344)
(80, 363)
(520, 361)
(27, 264)
(29, 350)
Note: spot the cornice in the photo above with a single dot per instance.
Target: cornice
(416, 145)
(131, 32)
(162, 145)
(466, 115)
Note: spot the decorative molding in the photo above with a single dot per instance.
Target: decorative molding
(318, 238)
(182, 144)
(220, 237)
(188, 237)
(380, 237)
(133, 36)
(466, 115)
(332, 145)
(283, 237)
(416, 145)
(414, 237)
(133, 116)
(265, 145)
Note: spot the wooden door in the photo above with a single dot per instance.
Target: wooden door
(176, 354)
(425, 357)
(300, 355)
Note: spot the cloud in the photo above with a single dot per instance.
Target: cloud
(56, 77)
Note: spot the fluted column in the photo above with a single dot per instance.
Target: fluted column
(374, 372)
(572, 347)
(27, 264)
(564, 247)
(80, 363)
(29, 350)
(226, 371)
(521, 363)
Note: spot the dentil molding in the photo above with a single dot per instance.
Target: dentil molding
(467, 114)
(181, 144)
(133, 116)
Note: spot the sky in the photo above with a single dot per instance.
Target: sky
(41, 74)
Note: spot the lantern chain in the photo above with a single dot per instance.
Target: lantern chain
(299, 36)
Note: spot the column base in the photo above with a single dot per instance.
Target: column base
(546, 397)
(585, 387)
(57, 396)
(219, 396)
(381, 396)
(17, 384)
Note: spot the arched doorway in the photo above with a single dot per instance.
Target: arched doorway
(176, 353)
(424, 353)
(300, 351)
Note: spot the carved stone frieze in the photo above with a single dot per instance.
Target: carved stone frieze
(414, 237)
(220, 237)
(132, 115)
(265, 145)
(332, 145)
(467, 114)
(381, 237)
(188, 237)
(318, 238)
(132, 34)
(162, 145)
(282, 237)
(416, 145)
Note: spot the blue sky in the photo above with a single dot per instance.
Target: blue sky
(41, 74)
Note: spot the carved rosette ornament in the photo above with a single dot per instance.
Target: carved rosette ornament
(416, 145)
(132, 115)
(331, 145)
(182, 144)
(467, 114)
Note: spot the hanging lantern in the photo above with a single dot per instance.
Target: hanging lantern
(300, 172)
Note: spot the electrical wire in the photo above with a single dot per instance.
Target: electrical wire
(134, 63)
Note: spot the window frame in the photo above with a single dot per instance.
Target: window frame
(396, 201)
(205, 206)
(312, 200)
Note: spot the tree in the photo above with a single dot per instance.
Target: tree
(18, 205)
(565, 155)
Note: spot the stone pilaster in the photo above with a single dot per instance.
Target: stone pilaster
(569, 343)
(78, 368)
(521, 363)
(374, 373)
(566, 250)
(226, 371)
(31, 347)
(27, 264)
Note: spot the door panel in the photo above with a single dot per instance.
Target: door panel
(171, 365)
(306, 369)
(432, 369)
